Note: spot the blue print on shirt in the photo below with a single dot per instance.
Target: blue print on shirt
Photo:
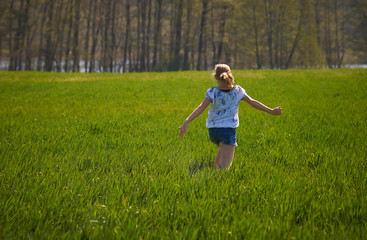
(234, 96)
(221, 113)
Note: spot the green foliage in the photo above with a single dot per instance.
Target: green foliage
(98, 156)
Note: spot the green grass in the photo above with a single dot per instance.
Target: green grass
(98, 156)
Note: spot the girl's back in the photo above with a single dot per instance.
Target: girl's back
(223, 110)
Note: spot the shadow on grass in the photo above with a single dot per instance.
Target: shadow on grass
(197, 166)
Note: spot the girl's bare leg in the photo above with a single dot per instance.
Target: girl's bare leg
(218, 159)
(224, 156)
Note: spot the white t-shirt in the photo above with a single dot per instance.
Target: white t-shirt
(223, 111)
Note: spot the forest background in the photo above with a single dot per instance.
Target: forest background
(171, 35)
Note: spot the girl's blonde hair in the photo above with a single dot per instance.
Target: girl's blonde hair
(222, 72)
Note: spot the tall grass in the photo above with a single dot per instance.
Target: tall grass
(98, 156)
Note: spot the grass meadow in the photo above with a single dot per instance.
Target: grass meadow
(98, 156)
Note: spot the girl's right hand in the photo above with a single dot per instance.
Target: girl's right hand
(183, 129)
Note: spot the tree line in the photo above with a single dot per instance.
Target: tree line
(171, 35)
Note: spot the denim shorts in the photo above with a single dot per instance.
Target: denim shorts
(223, 135)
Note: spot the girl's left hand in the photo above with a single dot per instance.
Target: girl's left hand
(276, 111)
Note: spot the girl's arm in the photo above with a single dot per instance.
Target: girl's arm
(258, 105)
(199, 110)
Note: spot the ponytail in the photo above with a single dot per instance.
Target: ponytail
(226, 79)
(222, 72)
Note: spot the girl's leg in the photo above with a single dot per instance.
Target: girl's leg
(226, 153)
(218, 159)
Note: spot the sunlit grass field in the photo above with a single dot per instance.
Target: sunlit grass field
(98, 156)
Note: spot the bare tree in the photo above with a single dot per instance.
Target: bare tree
(339, 36)
(201, 43)
(96, 28)
(113, 37)
(49, 50)
(68, 39)
(298, 35)
(255, 25)
(148, 67)
(157, 32)
(176, 42)
(87, 36)
(127, 35)
(185, 64)
(143, 9)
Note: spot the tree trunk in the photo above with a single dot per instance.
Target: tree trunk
(281, 41)
(86, 46)
(328, 44)
(59, 38)
(298, 35)
(68, 40)
(157, 32)
(186, 65)
(49, 51)
(25, 32)
(10, 40)
(76, 52)
(127, 34)
(213, 22)
(130, 58)
(143, 8)
(18, 39)
(269, 30)
(95, 33)
(318, 21)
(138, 38)
(148, 62)
(113, 37)
(172, 27)
(202, 32)
(258, 61)
(339, 50)
(177, 45)
(27, 37)
(28, 49)
(106, 33)
(278, 30)
(222, 33)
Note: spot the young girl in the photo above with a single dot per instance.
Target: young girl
(222, 118)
